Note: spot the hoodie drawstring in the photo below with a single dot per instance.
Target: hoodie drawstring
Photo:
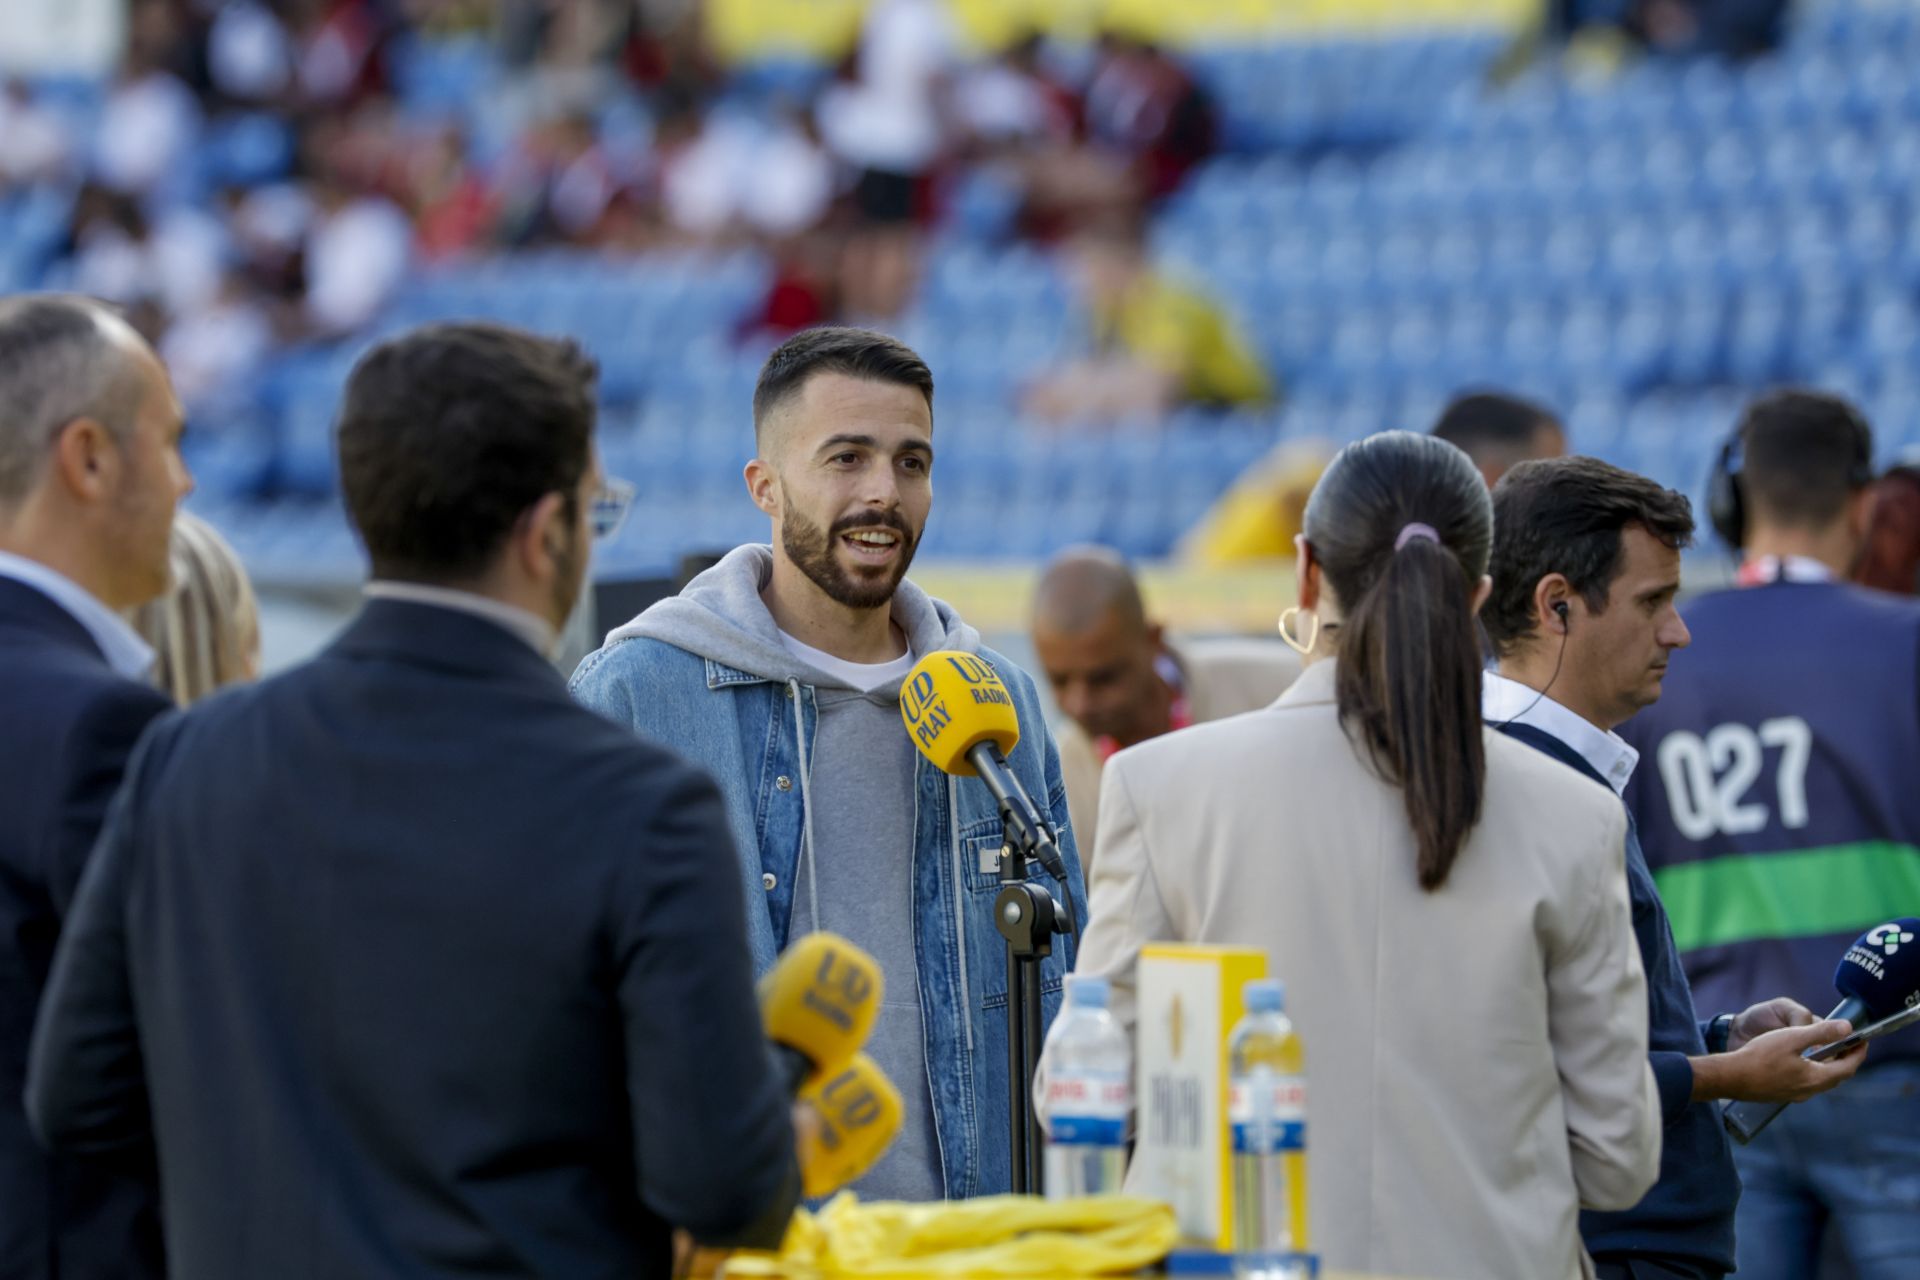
(806, 799)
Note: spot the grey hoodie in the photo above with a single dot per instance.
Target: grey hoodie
(721, 616)
(858, 796)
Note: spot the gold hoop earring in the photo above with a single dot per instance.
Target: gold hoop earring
(1301, 647)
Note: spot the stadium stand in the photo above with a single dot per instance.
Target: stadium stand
(1640, 251)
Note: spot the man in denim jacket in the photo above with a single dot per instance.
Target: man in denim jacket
(779, 672)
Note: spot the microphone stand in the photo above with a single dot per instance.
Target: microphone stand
(1027, 917)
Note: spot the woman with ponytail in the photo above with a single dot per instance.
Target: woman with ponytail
(1447, 908)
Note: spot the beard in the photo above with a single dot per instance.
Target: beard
(812, 548)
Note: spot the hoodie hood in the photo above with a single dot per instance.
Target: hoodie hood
(721, 617)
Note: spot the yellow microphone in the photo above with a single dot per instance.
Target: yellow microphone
(860, 1113)
(818, 1004)
(962, 718)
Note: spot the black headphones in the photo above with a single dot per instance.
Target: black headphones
(1727, 503)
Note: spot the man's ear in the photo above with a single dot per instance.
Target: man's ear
(540, 540)
(1860, 513)
(763, 486)
(86, 460)
(1552, 598)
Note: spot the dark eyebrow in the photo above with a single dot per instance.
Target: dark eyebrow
(868, 442)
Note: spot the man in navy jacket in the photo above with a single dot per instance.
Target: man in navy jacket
(1586, 570)
(90, 473)
(408, 964)
(1781, 822)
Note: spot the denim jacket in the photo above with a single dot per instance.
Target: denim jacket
(750, 730)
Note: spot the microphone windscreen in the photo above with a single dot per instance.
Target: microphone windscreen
(951, 703)
(821, 998)
(1882, 968)
(860, 1113)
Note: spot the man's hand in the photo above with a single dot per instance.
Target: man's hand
(1769, 1068)
(1770, 1015)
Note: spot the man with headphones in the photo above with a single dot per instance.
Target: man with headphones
(1781, 817)
(1582, 616)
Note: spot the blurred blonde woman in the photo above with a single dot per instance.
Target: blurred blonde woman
(205, 630)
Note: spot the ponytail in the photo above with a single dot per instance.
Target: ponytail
(1409, 692)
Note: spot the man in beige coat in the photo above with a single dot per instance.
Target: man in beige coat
(1119, 680)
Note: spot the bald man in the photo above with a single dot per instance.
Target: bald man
(90, 474)
(1119, 679)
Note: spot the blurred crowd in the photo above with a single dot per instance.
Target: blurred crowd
(258, 173)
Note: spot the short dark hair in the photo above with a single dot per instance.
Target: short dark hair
(1492, 420)
(857, 353)
(1565, 516)
(449, 433)
(1803, 454)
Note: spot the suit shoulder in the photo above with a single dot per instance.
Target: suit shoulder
(1522, 779)
(1202, 745)
(107, 708)
(627, 762)
(57, 675)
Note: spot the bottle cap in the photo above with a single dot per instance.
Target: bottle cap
(1265, 995)
(1086, 992)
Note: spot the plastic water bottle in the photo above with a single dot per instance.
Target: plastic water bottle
(1267, 1108)
(1089, 1093)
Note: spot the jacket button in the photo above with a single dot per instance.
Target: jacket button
(783, 782)
(768, 880)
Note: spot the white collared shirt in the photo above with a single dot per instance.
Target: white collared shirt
(536, 631)
(1503, 701)
(119, 643)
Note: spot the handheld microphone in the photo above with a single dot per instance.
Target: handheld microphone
(860, 1114)
(963, 720)
(818, 1004)
(1877, 977)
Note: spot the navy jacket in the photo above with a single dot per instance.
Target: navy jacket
(1689, 1212)
(414, 967)
(68, 723)
(1780, 814)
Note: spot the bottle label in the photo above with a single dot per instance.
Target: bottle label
(1088, 1108)
(1268, 1115)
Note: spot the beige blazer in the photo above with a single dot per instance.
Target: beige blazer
(1476, 1056)
(1224, 678)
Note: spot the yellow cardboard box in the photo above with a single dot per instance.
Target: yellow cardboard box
(1189, 999)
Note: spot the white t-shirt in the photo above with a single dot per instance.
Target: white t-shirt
(864, 676)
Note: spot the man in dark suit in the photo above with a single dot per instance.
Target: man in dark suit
(1585, 575)
(90, 473)
(410, 965)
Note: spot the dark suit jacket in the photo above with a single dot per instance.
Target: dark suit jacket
(68, 723)
(414, 967)
(1688, 1216)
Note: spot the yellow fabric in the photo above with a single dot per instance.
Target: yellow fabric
(1185, 334)
(1257, 518)
(990, 1236)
